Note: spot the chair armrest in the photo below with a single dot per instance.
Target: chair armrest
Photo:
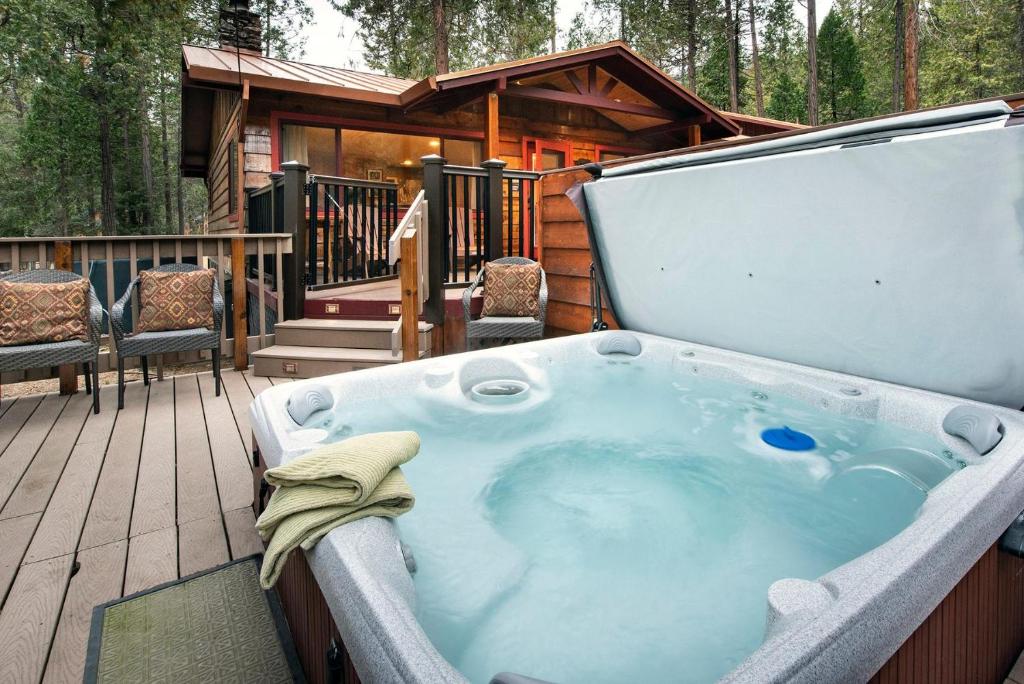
(96, 313)
(218, 308)
(543, 296)
(467, 295)
(117, 321)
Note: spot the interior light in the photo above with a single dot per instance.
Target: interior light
(435, 143)
(407, 162)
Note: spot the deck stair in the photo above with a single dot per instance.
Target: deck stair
(312, 347)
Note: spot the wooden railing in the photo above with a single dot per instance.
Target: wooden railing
(111, 262)
(487, 212)
(408, 245)
(350, 221)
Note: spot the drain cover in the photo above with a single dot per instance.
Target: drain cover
(788, 439)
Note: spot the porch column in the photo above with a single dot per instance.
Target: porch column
(295, 223)
(491, 142)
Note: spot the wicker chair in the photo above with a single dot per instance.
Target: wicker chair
(505, 327)
(145, 343)
(22, 357)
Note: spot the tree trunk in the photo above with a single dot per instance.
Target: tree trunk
(730, 39)
(910, 89)
(897, 58)
(756, 60)
(812, 64)
(1020, 41)
(166, 154)
(691, 44)
(146, 159)
(440, 37)
(554, 26)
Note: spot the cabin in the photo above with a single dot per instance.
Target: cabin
(244, 114)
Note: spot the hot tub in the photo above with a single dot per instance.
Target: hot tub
(608, 517)
(610, 507)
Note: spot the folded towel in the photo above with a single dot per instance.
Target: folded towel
(363, 480)
(355, 465)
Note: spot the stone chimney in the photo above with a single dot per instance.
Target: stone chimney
(240, 27)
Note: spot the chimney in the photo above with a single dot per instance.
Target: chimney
(239, 27)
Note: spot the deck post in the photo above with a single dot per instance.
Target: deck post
(433, 192)
(410, 297)
(495, 208)
(275, 180)
(295, 223)
(64, 261)
(239, 300)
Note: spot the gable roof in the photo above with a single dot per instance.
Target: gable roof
(670, 100)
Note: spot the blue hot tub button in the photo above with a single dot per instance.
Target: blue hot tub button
(788, 439)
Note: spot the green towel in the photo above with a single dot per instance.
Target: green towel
(331, 486)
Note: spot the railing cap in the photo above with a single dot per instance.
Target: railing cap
(433, 159)
(294, 166)
(277, 174)
(494, 164)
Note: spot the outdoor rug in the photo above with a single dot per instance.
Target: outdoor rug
(215, 626)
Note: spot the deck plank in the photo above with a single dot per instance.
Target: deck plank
(59, 530)
(6, 403)
(243, 538)
(16, 534)
(240, 397)
(257, 383)
(23, 447)
(13, 419)
(230, 457)
(29, 618)
(98, 580)
(152, 560)
(110, 513)
(201, 545)
(40, 478)
(155, 490)
(197, 484)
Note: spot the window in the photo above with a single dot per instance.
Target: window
(315, 146)
(463, 152)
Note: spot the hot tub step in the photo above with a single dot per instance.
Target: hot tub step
(312, 362)
(342, 333)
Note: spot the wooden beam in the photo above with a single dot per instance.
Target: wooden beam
(491, 142)
(238, 303)
(576, 82)
(609, 86)
(243, 114)
(63, 261)
(409, 274)
(592, 78)
(672, 126)
(693, 135)
(594, 101)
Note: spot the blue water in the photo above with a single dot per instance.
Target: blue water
(628, 528)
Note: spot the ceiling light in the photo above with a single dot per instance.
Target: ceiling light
(435, 143)
(407, 162)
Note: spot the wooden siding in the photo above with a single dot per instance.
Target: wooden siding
(565, 256)
(974, 635)
(225, 128)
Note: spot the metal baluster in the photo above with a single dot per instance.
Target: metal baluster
(508, 215)
(311, 237)
(346, 232)
(522, 201)
(479, 186)
(454, 228)
(362, 231)
(465, 224)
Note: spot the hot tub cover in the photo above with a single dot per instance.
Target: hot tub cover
(890, 249)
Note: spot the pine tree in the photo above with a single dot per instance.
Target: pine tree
(840, 73)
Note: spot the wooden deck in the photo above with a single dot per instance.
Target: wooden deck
(94, 507)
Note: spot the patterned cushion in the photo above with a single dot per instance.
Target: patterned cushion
(512, 290)
(175, 301)
(43, 312)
